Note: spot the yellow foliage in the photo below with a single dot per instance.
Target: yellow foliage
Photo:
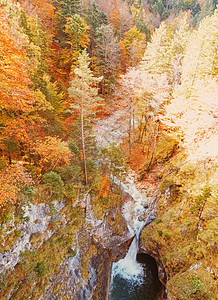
(53, 153)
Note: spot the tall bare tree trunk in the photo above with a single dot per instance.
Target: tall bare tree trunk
(130, 125)
(83, 144)
(133, 118)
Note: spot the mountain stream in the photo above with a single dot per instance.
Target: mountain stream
(135, 277)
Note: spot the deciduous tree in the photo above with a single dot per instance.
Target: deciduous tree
(133, 45)
(12, 181)
(194, 104)
(52, 153)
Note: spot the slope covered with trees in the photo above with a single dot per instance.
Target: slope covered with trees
(174, 149)
(66, 64)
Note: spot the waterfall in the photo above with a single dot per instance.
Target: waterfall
(128, 268)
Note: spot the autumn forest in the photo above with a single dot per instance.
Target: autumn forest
(91, 91)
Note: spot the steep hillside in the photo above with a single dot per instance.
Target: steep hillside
(142, 73)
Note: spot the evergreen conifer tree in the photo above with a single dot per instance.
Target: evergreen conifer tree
(84, 92)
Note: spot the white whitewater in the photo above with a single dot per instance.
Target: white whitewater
(128, 268)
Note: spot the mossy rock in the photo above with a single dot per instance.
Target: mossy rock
(86, 259)
(116, 222)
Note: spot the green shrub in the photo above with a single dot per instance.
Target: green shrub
(160, 232)
(7, 215)
(28, 191)
(164, 259)
(72, 252)
(18, 233)
(22, 217)
(54, 183)
(71, 191)
(92, 169)
(158, 220)
(53, 213)
(70, 173)
(196, 285)
(113, 162)
(75, 149)
(167, 236)
(201, 200)
(191, 288)
(40, 269)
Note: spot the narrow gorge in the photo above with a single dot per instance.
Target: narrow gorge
(108, 149)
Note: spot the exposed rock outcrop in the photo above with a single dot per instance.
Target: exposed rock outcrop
(161, 270)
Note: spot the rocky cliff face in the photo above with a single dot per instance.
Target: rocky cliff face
(34, 231)
(182, 238)
(87, 274)
(61, 252)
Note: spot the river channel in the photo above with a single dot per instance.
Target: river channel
(135, 277)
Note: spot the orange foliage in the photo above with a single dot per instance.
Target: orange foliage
(115, 20)
(12, 180)
(124, 56)
(105, 188)
(34, 8)
(16, 98)
(53, 153)
(14, 80)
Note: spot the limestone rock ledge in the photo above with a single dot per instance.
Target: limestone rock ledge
(84, 273)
